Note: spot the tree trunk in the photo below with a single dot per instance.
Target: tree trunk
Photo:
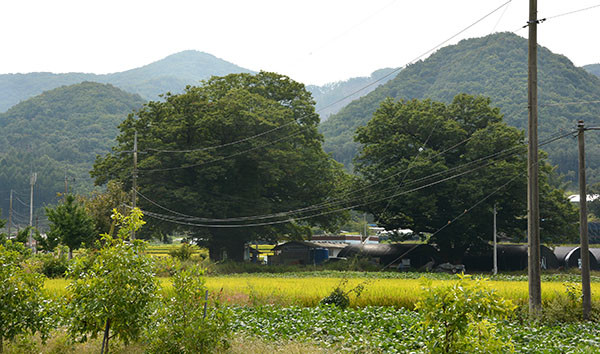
(1, 345)
(106, 337)
(227, 245)
(70, 253)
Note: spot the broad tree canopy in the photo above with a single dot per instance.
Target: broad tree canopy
(239, 147)
(409, 146)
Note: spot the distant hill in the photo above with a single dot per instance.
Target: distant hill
(59, 133)
(334, 96)
(170, 74)
(493, 66)
(593, 69)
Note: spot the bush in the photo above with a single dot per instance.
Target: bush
(52, 265)
(183, 253)
(183, 322)
(459, 318)
(340, 297)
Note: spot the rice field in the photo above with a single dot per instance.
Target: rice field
(308, 291)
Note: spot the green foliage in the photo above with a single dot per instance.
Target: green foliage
(427, 141)
(185, 323)
(493, 66)
(100, 205)
(236, 180)
(23, 306)
(459, 318)
(334, 96)
(340, 296)
(112, 289)
(53, 264)
(71, 224)
(63, 128)
(183, 253)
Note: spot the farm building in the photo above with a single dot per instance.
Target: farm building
(402, 255)
(347, 239)
(304, 252)
(570, 257)
(510, 258)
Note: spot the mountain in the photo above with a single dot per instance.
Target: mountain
(170, 74)
(58, 134)
(334, 96)
(592, 69)
(493, 66)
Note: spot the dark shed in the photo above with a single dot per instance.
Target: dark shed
(510, 258)
(408, 255)
(570, 257)
(596, 253)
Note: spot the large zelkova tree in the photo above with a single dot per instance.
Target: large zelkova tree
(71, 225)
(251, 148)
(408, 145)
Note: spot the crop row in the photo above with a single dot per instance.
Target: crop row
(308, 291)
(385, 329)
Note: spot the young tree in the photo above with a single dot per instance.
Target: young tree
(71, 224)
(100, 205)
(408, 145)
(23, 306)
(247, 145)
(112, 289)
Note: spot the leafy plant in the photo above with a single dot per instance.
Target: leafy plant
(458, 318)
(23, 307)
(183, 253)
(183, 323)
(341, 297)
(113, 288)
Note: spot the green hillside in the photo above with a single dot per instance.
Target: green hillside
(60, 132)
(172, 74)
(593, 69)
(494, 66)
(334, 96)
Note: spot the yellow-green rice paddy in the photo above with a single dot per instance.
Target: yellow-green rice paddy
(308, 291)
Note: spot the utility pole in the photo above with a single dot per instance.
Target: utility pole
(134, 184)
(583, 227)
(533, 211)
(32, 181)
(10, 212)
(495, 244)
(66, 184)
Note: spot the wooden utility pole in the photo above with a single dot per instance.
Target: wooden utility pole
(10, 212)
(134, 184)
(583, 227)
(533, 211)
(32, 181)
(495, 270)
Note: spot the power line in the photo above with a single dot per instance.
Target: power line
(347, 96)
(176, 220)
(343, 200)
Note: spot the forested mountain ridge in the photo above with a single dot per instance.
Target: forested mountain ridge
(59, 133)
(494, 66)
(172, 74)
(334, 96)
(593, 69)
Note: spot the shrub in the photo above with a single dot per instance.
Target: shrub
(183, 323)
(23, 306)
(113, 288)
(459, 318)
(183, 253)
(341, 297)
(53, 265)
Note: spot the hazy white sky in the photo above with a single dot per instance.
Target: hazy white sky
(312, 41)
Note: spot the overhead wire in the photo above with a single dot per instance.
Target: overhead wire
(335, 102)
(343, 200)
(176, 220)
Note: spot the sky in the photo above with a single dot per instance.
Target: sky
(312, 41)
